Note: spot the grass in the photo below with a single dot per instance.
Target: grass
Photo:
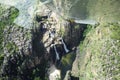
(101, 48)
(89, 28)
(115, 28)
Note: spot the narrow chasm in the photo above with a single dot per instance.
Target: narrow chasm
(58, 41)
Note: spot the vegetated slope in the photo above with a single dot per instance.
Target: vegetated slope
(7, 15)
(100, 53)
(16, 60)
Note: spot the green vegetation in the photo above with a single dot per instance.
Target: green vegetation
(6, 20)
(89, 27)
(61, 32)
(1, 58)
(11, 47)
(100, 53)
(77, 27)
(67, 62)
(13, 14)
(67, 59)
(115, 29)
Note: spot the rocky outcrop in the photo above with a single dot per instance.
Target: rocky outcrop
(56, 47)
(50, 39)
(98, 53)
(21, 38)
(86, 12)
(27, 49)
(59, 37)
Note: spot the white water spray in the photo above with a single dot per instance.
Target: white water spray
(57, 54)
(54, 73)
(65, 47)
(85, 22)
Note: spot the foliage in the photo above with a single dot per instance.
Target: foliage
(11, 47)
(101, 48)
(115, 29)
(6, 18)
(67, 59)
(1, 58)
(77, 27)
(67, 62)
(89, 28)
(6, 21)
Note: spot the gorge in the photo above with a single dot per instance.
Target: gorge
(59, 40)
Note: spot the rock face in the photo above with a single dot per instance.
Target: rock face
(45, 44)
(75, 65)
(57, 48)
(22, 56)
(19, 37)
(58, 37)
(86, 12)
(97, 58)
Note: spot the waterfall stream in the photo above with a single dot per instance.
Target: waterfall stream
(57, 54)
(85, 22)
(65, 47)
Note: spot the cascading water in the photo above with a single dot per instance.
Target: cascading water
(85, 22)
(65, 47)
(81, 11)
(57, 54)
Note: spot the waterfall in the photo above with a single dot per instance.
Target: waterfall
(57, 54)
(52, 35)
(65, 47)
(85, 22)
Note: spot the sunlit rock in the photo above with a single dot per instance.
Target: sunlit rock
(86, 11)
(27, 10)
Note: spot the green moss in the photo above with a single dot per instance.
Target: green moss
(1, 58)
(67, 62)
(61, 32)
(6, 21)
(77, 27)
(37, 78)
(11, 47)
(81, 46)
(67, 59)
(13, 14)
(89, 28)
